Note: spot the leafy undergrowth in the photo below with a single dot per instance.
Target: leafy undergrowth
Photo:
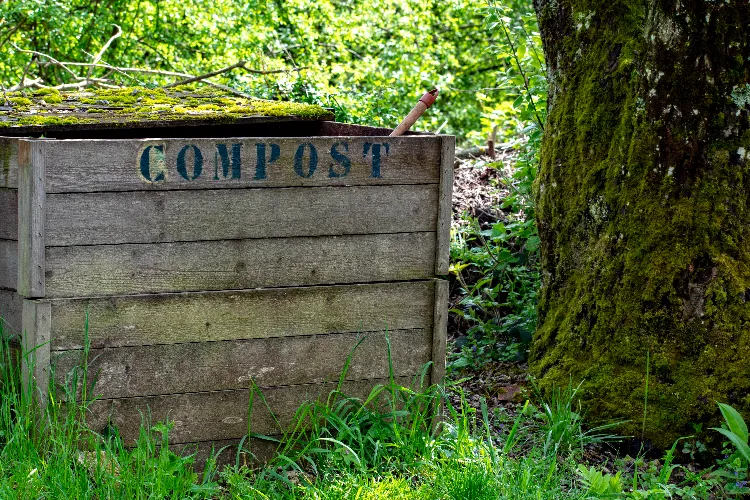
(389, 445)
(494, 258)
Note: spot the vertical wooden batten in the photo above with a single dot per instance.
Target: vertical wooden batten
(439, 332)
(31, 218)
(445, 205)
(37, 321)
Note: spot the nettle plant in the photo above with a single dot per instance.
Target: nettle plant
(498, 268)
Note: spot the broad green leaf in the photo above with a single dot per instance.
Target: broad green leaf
(734, 421)
(741, 445)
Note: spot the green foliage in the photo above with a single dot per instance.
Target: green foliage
(736, 431)
(562, 423)
(600, 485)
(655, 479)
(501, 303)
(523, 74)
(498, 268)
(369, 60)
(384, 446)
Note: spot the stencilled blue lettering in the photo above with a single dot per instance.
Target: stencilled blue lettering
(151, 162)
(260, 169)
(340, 159)
(153, 168)
(376, 156)
(197, 163)
(312, 163)
(222, 158)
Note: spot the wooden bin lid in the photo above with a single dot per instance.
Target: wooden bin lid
(47, 110)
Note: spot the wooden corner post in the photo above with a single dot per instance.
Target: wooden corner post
(439, 332)
(445, 205)
(37, 321)
(31, 218)
(442, 257)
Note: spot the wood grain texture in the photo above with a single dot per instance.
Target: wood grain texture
(195, 215)
(8, 264)
(211, 366)
(245, 314)
(255, 451)
(445, 205)
(115, 165)
(440, 332)
(31, 218)
(218, 415)
(36, 323)
(8, 213)
(10, 312)
(8, 162)
(239, 264)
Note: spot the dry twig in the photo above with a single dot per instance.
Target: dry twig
(104, 49)
(42, 59)
(240, 64)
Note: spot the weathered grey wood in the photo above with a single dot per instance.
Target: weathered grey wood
(245, 314)
(8, 212)
(440, 332)
(8, 264)
(31, 217)
(208, 366)
(10, 312)
(115, 165)
(36, 323)
(193, 215)
(240, 264)
(8, 162)
(218, 415)
(445, 205)
(225, 451)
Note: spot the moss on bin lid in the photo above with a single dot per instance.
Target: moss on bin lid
(140, 106)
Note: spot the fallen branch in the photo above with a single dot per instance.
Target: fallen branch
(148, 71)
(239, 64)
(41, 54)
(104, 49)
(96, 63)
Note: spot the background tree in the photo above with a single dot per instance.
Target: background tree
(644, 208)
(370, 59)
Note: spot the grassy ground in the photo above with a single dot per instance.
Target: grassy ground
(386, 446)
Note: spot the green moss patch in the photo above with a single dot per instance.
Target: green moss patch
(133, 105)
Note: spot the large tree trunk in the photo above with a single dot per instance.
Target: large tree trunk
(644, 208)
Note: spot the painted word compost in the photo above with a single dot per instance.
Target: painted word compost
(224, 161)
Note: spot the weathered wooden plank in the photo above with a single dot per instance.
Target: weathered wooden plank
(210, 366)
(8, 162)
(31, 218)
(10, 312)
(445, 205)
(193, 215)
(8, 264)
(245, 314)
(218, 415)
(8, 212)
(135, 164)
(239, 264)
(440, 332)
(36, 322)
(255, 451)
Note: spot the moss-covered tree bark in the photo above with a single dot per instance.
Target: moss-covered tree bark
(644, 208)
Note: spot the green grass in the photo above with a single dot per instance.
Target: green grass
(395, 443)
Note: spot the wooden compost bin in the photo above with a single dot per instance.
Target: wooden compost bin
(212, 252)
